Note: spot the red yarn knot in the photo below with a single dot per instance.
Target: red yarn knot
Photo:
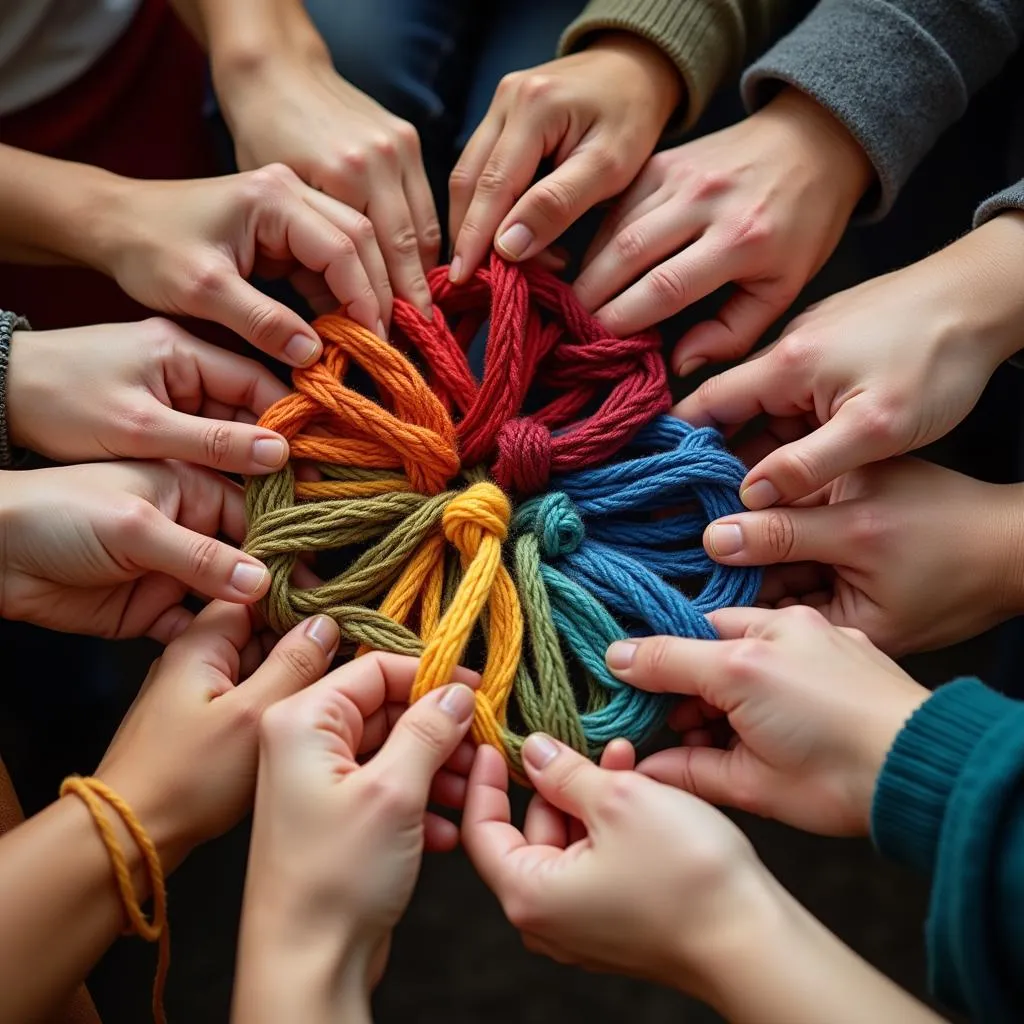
(524, 456)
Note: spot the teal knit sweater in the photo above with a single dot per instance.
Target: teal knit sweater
(950, 802)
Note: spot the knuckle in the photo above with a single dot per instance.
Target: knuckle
(795, 352)
(297, 661)
(202, 556)
(618, 796)
(460, 181)
(630, 245)
(752, 229)
(386, 794)
(708, 184)
(427, 730)
(261, 322)
(217, 443)
(803, 616)
(430, 236)
(778, 533)
(668, 283)
(206, 280)
(536, 88)
(362, 229)
(655, 657)
(140, 420)
(404, 241)
(386, 147)
(555, 199)
(868, 528)
(351, 163)
(493, 180)
(266, 183)
(407, 136)
(135, 518)
(877, 422)
(746, 660)
(523, 913)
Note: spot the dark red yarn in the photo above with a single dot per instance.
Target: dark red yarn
(539, 334)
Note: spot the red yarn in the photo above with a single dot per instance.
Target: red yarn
(539, 334)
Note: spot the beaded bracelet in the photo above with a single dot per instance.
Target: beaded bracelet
(9, 323)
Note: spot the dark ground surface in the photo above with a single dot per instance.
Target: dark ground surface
(455, 958)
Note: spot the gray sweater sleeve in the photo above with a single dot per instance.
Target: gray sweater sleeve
(897, 73)
(1011, 198)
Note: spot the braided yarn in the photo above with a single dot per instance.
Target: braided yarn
(528, 516)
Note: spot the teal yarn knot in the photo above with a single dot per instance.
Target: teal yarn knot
(557, 524)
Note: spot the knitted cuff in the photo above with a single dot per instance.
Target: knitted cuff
(9, 323)
(705, 40)
(925, 764)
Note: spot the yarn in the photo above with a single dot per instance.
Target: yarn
(94, 794)
(538, 513)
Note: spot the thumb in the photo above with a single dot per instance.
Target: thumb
(709, 773)
(565, 779)
(852, 438)
(263, 322)
(299, 658)
(218, 444)
(424, 738)
(781, 535)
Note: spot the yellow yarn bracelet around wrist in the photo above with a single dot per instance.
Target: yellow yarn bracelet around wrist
(94, 794)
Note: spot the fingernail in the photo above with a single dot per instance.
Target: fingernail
(247, 578)
(302, 350)
(689, 365)
(458, 701)
(455, 270)
(539, 751)
(382, 331)
(323, 632)
(725, 539)
(620, 654)
(759, 495)
(269, 451)
(515, 241)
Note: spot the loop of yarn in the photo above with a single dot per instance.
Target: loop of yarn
(415, 490)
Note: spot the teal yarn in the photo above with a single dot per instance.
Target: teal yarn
(609, 577)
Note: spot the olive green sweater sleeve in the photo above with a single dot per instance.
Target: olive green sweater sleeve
(707, 40)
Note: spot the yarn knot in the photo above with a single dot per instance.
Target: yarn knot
(558, 525)
(524, 456)
(480, 509)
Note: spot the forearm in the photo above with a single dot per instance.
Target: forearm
(49, 208)
(61, 908)
(785, 967)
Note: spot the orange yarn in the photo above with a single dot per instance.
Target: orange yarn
(93, 794)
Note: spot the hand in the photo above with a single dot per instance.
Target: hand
(140, 391)
(883, 368)
(815, 710)
(184, 757)
(598, 114)
(761, 204)
(654, 887)
(337, 840)
(292, 107)
(113, 549)
(187, 247)
(923, 557)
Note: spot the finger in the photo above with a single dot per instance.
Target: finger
(439, 834)
(463, 180)
(449, 790)
(269, 325)
(424, 738)
(299, 658)
(392, 219)
(552, 205)
(849, 440)
(618, 756)
(565, 779)
(673, 285)
(737, 623)
(150, 542)
(545, 825)
(212, 644)
(361, 231)
(488, 835)
(218, 444)
(637, 246)
(644, 195)
(171, 624)
(783, 535)
(706, 772)
(741, 321)
(424, 213)
(506, 175)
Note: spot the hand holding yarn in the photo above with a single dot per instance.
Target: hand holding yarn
(810, 742)
(340, 833)
(140, 391)
(113, 549)
(881, 538)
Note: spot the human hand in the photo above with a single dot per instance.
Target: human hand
(760, 204)
(184, 758)
(338, 839)
(113, 549)
(654, 886)
(140, 391)
(187, 247)
(880, 369)
(917, 557)
(598, 114)
(815, 710)
(292, 107)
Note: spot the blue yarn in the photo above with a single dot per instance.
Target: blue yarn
(601, 563)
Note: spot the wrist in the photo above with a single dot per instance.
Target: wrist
(1003, 552)
(28, 394)
(649, 66)
(824, 144)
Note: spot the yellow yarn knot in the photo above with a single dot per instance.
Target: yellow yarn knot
(479, 510)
